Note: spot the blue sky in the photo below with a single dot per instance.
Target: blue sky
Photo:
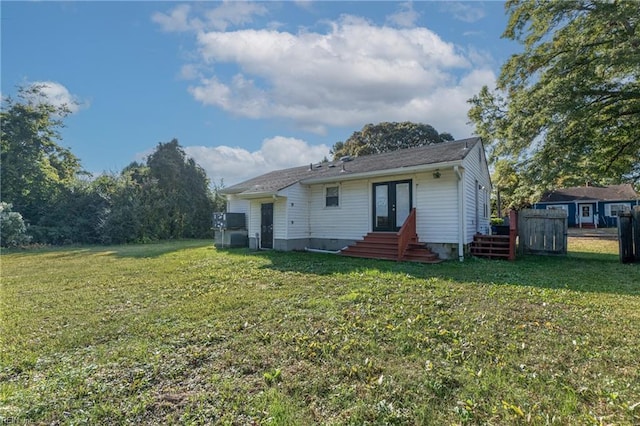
(248, 87)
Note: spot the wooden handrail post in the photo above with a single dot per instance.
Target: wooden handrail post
(406, 233)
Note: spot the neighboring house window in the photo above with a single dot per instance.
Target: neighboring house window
(558, 207)
(332, 196)
(615, 209)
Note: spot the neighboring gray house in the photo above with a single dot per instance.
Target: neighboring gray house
(591, 206)
(334, 204)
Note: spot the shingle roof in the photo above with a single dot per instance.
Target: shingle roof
(605, 193)
(430, 154)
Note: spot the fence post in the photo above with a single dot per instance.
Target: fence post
(513, 233)
(625, 237)
(635, 224)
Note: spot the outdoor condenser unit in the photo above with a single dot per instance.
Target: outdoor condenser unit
(229, 221)
(230, 230)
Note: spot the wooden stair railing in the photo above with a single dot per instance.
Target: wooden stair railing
(407, 234)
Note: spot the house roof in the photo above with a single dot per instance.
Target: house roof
(270, 183)
(604, 193)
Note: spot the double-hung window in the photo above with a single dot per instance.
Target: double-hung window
(616, 209)
(332, 196)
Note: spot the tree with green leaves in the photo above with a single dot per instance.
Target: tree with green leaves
(35, 168)
(186, 204)
(385, 137)
(566, 109)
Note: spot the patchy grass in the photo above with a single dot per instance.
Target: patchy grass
(181, 333)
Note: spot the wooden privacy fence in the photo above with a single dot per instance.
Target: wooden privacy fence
(629, 235)
(542, 231)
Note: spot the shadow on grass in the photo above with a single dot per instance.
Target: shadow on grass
(149, 250)
(157, 249)
(583, 272)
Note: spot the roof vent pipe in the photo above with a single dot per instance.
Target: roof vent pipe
(310, 166)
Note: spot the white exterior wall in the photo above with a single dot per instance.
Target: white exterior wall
(236, 205)
(254, 216)
(282, 217)
(279, 216)
(296, 220)
(436, 202)
(350, 220)
(475, 170)
(300, 212)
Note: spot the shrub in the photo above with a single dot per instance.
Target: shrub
(13, 231)
(497, 221)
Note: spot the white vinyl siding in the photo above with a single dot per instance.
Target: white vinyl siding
(436, 203)
(351, 220)
(297, 211)
(476, 181)
(280, 219)
(255, 215)
(300, 211)
(236, 205)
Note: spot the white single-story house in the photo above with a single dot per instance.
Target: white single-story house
(331, 205)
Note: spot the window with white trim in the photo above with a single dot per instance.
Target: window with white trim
(615, 209)
(485, 203)
(332, 196)
(558, 207)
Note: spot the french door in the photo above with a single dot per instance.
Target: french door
(391, 205)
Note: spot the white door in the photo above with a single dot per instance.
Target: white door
(586, 213)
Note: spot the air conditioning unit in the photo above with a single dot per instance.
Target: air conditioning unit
(231, 238)
(229, 221)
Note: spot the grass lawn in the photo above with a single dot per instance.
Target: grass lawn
(183, 333)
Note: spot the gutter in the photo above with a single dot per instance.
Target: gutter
(461, 227)
(379, 173)
(251, 195)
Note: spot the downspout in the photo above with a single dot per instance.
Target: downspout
(460, 187)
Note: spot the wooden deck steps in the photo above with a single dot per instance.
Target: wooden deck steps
(491, 246)
(587, 226)
(384, 245)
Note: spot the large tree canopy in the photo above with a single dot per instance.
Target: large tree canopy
(384, 137)
(167, 197)
(186, 198)
(35, 168)
(567, 109)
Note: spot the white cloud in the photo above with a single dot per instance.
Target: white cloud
(227, 14)
(177, 20)
(405, 17)
(237, 164)
(465, 12)
(350, 73)
(353, 74)
(57, 95)
(234, 13)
